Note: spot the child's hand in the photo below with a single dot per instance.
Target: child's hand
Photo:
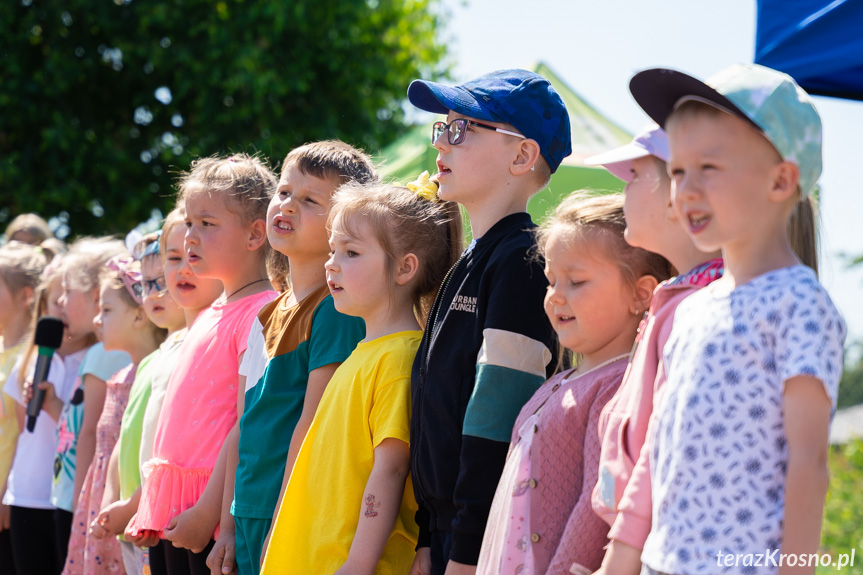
(221, 558)
(4, 517)
(142, 538)
(422, 562)
(190, 530)
(111, 520)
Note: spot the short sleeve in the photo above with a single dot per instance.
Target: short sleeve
(10, 388)
(334, 335)
(391, 407)
(254, 361)
(103, 364)
(811, 337)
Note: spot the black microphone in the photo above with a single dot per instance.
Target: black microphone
(49, 336)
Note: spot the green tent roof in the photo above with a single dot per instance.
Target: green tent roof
(592, 133)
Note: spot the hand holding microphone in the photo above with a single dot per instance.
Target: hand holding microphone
(48, 337)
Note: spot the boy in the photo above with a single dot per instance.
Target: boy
(739, 440)
(299, 341)
(488, 344)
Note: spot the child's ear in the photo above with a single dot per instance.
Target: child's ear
(786, 179)
(25, 296)
(406, 269)
(526, 157)
(644, 287)
(141, 319)
(257, 235)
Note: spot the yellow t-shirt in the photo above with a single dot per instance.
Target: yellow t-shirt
(367, 400)
(8, 416)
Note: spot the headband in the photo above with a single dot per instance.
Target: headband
(131, 278)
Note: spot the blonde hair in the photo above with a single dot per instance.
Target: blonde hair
(278, 270)
(52, 275)
(176, 217)
(83, 264)
(246, 183)
(30, 224)
(599, 219)
(21, 266)
(802, 222)
(403, 222)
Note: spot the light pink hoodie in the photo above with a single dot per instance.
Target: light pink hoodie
(622, 493)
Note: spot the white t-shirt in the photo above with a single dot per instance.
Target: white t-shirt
(32, 474)
(719, 449)
(255, 359)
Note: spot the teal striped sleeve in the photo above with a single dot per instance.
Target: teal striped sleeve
(510, 368)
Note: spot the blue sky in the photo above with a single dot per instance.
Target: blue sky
(595, 47)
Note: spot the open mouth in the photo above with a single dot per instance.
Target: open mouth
(697, 222)
(185, 286)
(334, 287)
(442, 169)
(283, 225)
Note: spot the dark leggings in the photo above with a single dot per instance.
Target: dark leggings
(156, 556)
(30, 530)
(62, 531)
(7, 563)
(441, 544)
(183, 562)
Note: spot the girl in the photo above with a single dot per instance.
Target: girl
(225, 203)
(28, 490)
(651, 224)
(192, 295)
(541, 520)
(390, 251)
(122, 325)
(20, 269)
(738, 447)
(76, 432)
(123, 488)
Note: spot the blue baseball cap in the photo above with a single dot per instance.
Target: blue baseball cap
(523, 99)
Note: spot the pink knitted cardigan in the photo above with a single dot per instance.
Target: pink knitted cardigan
(564, 462)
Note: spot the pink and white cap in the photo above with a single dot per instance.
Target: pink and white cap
(652, 141)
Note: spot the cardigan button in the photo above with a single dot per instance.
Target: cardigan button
(535, 537)
(532, 483)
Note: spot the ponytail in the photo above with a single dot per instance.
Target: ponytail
(803, 232)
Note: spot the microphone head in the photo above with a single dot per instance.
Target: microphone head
(49, 332)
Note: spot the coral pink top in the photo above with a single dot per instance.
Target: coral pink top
(199, 410)
(624, 422)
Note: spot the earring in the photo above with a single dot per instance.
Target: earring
(533, 168)
(637, 312)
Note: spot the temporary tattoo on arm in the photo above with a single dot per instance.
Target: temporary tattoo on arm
(370, 506)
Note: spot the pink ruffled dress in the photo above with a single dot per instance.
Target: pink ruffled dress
(199, 410)
(88, 555)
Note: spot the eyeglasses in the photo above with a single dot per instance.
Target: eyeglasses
(156, 284)
(457, 130)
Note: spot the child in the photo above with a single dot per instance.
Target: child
(295, 345)
(122, 325)
(123, 484)
(541, 520)
(20, 270)
(488, 345)
(225, 202)
(28, 491)
(390, 250)
(29, 229)
(193, 295)
(76, 432)
(738, 451)
(651, 224)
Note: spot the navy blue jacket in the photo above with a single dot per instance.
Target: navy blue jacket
(487, 347)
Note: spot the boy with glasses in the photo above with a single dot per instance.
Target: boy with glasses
(488, 344)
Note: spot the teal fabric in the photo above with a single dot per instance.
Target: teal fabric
(498, 396)
(249, 536)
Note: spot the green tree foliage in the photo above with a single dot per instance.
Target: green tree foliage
(103, 101)
(842, 530)
(851, 384)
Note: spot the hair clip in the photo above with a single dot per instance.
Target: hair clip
(131, 277)
(424, 187)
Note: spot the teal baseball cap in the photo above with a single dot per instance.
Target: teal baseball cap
(771, 101)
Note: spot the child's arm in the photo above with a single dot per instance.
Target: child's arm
(221, 558)
(807, 420)
(379, 508)
(94, 400)
(112, 478)
(318, 380)
(113, 518)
